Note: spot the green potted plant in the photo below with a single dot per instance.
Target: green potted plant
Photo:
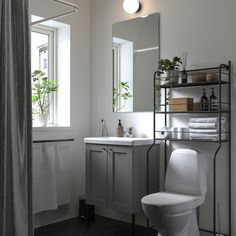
(120, 91)
(168, 72)
(42, 88)
(170, 69)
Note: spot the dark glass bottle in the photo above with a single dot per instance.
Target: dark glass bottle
(204, 104)
(213, 101)
(184, 77)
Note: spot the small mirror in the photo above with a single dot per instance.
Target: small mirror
(136, 53)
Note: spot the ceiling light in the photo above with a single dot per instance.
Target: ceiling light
(131, 6)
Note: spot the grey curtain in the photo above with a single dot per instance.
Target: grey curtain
(15, 120)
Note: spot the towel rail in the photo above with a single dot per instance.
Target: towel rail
(54, 140)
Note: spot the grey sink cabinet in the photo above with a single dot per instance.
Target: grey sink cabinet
(116, 176)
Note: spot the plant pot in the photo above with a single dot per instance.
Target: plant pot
(172, 76)
(41, 120)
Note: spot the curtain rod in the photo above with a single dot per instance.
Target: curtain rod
(75, 9)
(54, 140)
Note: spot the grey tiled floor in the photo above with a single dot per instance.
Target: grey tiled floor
(100, 227)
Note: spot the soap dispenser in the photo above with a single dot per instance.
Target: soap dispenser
(119, 130)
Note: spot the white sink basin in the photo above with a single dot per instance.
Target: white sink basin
(119, 141)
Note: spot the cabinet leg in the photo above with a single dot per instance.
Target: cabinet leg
(133, 224)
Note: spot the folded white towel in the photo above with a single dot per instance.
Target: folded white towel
(206, 136)
(207, 120)
(211, 131)
(194, 125)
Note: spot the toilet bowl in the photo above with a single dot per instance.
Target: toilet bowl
(173, 212)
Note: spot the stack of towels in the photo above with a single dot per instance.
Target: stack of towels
(206, 128)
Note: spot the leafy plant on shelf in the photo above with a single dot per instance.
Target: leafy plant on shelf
(42, 88)
(167, 65)
(170, 69)
(120, 91)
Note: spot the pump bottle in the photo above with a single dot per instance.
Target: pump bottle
(119, 130)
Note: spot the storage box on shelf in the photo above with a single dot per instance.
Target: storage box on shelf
(181, 104)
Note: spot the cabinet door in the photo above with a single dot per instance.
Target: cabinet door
(120, 178)
(96, 174)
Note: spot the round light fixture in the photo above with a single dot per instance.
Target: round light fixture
(131, 6)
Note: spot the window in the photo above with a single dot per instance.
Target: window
(43, 42)
(50, 53)
(122, 75)
(116, 75)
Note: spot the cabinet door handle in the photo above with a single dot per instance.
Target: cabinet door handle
(104, 149)
(111, 150)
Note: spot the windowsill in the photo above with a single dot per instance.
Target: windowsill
(51, 128)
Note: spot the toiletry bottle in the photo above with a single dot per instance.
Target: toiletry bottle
(119, 130)
(184, 77)
(204, 101)
(213, 101)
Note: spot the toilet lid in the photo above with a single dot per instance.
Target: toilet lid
(172, 202)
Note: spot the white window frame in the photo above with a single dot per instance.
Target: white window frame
(52, 65)
(116, 70)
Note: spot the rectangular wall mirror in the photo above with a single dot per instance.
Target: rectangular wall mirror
(136, 52)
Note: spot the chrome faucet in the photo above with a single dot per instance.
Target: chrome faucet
(129, 132)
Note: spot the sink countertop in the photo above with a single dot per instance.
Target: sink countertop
(124, 141)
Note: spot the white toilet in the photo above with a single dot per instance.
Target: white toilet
(173, 212)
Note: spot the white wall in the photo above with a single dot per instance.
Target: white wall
(206, 29)
(80, 99)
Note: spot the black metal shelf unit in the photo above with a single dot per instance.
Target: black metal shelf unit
(224, 80)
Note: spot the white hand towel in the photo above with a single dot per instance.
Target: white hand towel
(51, 175)
(37, 154)
(194, 125)
(63, 169)
(45, 179)
(207, 119)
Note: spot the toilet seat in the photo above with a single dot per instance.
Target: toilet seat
(172, 202)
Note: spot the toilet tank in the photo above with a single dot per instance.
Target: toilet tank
(186, 173)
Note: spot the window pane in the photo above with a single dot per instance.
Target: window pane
(40, 61)
(39, 52)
